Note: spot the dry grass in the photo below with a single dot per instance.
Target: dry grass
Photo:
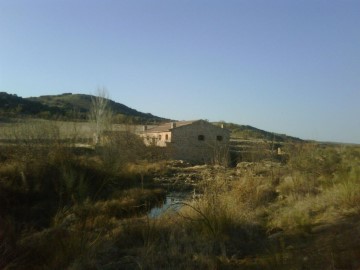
(62, 210)
(58, 206)
(309, 199)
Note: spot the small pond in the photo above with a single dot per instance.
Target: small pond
(172, 202)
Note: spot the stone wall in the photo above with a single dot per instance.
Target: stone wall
(200, 142)
(160, 139)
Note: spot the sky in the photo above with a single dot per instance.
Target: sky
(285, 66)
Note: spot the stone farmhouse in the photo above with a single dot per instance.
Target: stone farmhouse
(193, 141)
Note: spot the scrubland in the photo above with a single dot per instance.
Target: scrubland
(63, 207)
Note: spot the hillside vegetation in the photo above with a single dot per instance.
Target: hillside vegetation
(247, 132)
(76, 107)
(67, 106)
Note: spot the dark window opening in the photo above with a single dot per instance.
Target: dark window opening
(201, 138)
(166, 137)
(219, 138)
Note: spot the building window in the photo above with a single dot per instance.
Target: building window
(219, 138)
(201, 138)
(166, 137)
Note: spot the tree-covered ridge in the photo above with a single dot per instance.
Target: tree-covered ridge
(13, 105)
(249, 132)
(67, 106)
(70, 107)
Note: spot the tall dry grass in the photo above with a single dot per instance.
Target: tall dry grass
(247, 220)
(323, 185)
(58, 204)
(64, 210)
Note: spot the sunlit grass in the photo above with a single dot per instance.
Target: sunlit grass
(63, 210)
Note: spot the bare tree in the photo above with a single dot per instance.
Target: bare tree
(100, 112)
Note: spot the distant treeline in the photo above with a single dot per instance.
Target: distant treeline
(68, 107)
(249, 132)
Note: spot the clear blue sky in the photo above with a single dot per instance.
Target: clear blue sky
(284, 66)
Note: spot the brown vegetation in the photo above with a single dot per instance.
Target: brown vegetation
(61, 208)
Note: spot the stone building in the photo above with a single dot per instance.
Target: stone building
(193, 141)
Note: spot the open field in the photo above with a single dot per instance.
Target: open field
(25, 129)
(62, 208)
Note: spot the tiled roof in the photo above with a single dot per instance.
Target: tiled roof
(167, 126)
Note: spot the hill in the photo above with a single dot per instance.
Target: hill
(14, 106)
(246, 132)
(67, 106)
(70, 107)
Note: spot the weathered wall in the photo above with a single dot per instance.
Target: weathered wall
(200, 142)
(157, 138)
